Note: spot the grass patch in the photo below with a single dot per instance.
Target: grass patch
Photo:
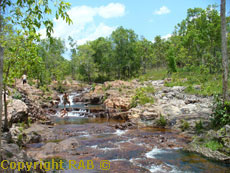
(210, 84)
(213, 145)
(162, 121)
(154, 74)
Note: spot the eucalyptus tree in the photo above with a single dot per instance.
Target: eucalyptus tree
(123, 45)
(199, 38)
(224, 49)
(160, 51)
(145, 53)
(84, 62)
(103, 57)
(73, 50)
(51, 53)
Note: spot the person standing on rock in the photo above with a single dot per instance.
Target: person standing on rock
(24, 79)
(65, 101)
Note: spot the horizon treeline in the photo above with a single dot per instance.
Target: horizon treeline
(195, 44)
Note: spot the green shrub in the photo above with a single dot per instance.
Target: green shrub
(17, 95)
(221, 113)
(199, 126)
(213, 145)
(162, 121)
(149, 89)
(141, 96)
(93, 86)
(19, 141)
(171, 63)
(29, 121)
(44, 88)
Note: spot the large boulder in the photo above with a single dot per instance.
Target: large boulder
(32, 137)
(52, 149)
(122, 103)
(17, 111)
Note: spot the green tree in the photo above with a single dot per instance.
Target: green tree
(103, 57)
(73, 50)
(30, 15)
(160, 51)
(145, 53)
(56, 65)
(123, 44)
(85, 63)
(197, 39)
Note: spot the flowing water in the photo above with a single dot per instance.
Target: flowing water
(133, 150)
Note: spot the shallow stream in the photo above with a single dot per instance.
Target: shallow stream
(133, 150)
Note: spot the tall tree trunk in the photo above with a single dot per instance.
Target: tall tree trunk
(5, 128)
(1, 79)
(224, 49)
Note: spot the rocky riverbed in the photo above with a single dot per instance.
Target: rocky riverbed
(102, 124)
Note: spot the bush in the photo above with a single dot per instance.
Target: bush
(162, 121)
(221, 113)
(213, 145)
(17, 95)
(171, 64)
(44, 88)
(141, 96)
(199, 126)
(93, 86)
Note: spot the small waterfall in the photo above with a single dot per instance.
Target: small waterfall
(71, 112)
(61, 99)
(71, 97)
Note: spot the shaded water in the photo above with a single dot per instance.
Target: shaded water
(134, 150)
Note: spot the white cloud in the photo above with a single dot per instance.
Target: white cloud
(84, 28)
(112, 10)
(99, 31)
(166, 37)
(162, 10)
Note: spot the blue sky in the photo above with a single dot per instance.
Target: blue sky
(148, 18)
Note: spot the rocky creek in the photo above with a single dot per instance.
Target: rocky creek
(83, 135)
